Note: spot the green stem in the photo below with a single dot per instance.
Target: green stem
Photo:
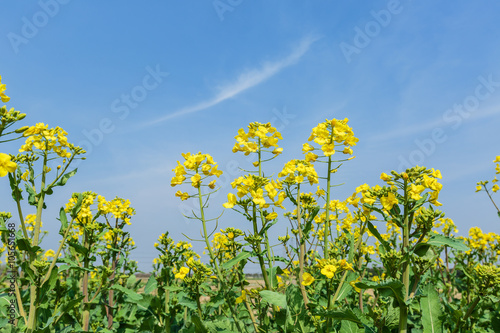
(302, 250)
(86, 305)
(403, 309)
(326, 247)
(214, 259)
(38, 221)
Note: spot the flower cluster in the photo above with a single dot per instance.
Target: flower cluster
(328, 268)
(45, 139)
(198, 167)
(296, 171)
(258, 136)
(9, 117)
(486, 245)
(328, 135)
(257, 188)
(118, 207)
(482, 184)
(3, 97)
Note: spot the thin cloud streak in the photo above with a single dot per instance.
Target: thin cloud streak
(439, 122)
(245, 81)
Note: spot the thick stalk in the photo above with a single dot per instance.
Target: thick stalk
(111, 294)
(326, 247)
(266, 237)
(86, 305)
(302, 250)
(38, 221)
(259, 251)
(403, 309)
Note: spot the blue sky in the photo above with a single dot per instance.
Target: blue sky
(139, 83)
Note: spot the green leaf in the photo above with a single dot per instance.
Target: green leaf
(274, 298)
(64, 221)
(199, 327)
(431, 311)
(346, 287)
(388, 287)
(32, 199)
(24, 245)
(76, 208)
(341, 315)
(150, 285)
(375, 232)
(134, 297)
(65, 177)
(272, 273)
(241, 256)
(79, 248)
(421, 249)
(350, 327)
(455, 243)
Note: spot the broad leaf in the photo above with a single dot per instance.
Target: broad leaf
(455, 243)
(274, 298)
(431, 311)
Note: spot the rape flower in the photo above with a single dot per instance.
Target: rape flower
(271, 216)
(389, 201)
(242, 298)
(182, 273)
(307, 279)
(6, 165)
(49, 254)
(329, 271)
(182, 195)
(385, 177)
(3, 97)
(231, 201)
(495, 188)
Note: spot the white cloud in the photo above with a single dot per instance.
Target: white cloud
(246, 80)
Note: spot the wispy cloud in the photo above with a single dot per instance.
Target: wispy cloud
(246, 80)
(487, 112)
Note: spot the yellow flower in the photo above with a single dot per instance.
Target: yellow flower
(329, 271)
(182, 195)
(497, 159)
(195, 180)
(478, 188)
(49, 254)
(182, 273)
(6, 165)
(3, 97)
(242, 298)
(389, 201)
(212, 184)
(271, 216)
(436, 174)
(353, 284)
(307, 147)
(307, 279)
(231, 201)
(495, 188)
(385, 177)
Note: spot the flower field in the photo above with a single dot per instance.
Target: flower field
(384, 259)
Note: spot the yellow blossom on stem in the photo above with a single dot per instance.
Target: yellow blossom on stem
(389, 201)
(231, 201)
(6, 165)
(307, 279)
(329, 271)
